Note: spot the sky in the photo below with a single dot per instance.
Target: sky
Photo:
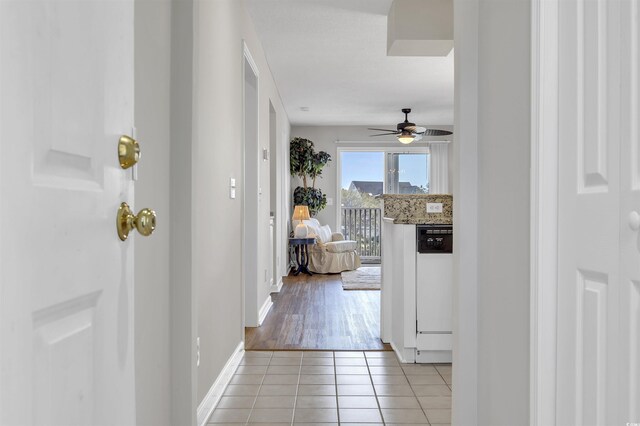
(369, 166)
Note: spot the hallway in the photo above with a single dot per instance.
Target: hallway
(314, 312)
(294, 387)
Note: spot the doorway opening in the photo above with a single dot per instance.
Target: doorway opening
(320, 312)
(250, 195)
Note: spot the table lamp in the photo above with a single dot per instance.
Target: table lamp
(301, 213)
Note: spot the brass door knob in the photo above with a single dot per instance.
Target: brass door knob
(128, 151)
(126, 221)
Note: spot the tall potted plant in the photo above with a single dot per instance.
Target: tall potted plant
(307, 164)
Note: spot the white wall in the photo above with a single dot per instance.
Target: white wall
(152, 112)
(182, 291)
(504, 193)
(188, 274)
(220, 27)
(324, 139)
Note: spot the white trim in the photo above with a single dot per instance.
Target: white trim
(402, 356)
(264, 310)
(285, 205)
(211, 399)
(544, 210)
(275, 288)
(249, 58)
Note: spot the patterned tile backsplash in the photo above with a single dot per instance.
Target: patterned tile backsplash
(412, 208)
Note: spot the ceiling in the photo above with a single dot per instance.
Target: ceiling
(330, 57)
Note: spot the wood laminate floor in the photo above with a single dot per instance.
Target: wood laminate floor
(315, 313)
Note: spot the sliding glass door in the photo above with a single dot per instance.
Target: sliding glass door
(361, 185)
(364, 176)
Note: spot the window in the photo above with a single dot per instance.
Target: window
(407, 173)
(362, 180)
(365, 175)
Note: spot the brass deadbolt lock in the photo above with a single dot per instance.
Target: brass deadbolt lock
(128, 151)
(126, 221)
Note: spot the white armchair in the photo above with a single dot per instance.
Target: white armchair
(331, 254)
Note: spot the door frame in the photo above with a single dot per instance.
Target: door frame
(250, 223)
(544, 210)
(466, 17)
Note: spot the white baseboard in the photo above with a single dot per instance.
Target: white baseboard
(431, 357)
(209, 402)
(406, 356)
(264, 310)
(275, 288)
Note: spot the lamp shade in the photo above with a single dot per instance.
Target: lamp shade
(406, 138)
(301, 213)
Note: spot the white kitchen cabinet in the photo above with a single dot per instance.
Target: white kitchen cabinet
(434, 306)
(416, 300)
(434, 294)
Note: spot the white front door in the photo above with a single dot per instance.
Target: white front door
(66, 326)
(599, 183)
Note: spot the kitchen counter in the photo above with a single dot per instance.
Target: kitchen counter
(411, 209)
(422, 220)
(403, 220)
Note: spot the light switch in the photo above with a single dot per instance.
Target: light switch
(434, 207)
(232, 188)
(329, 201)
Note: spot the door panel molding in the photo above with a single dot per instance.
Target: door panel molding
(592, 104)
(591, 348)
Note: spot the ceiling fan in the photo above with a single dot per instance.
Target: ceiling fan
(408, 132)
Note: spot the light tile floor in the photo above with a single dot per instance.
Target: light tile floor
(290, 388)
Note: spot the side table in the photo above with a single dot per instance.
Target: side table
(301, 247)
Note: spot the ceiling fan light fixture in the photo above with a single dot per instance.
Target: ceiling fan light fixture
(405, 138)
(408, 132)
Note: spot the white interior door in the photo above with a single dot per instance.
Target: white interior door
(66, 89)
(599, 181)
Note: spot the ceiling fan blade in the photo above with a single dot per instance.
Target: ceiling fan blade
(435, 132)
(385, 134)
(384, 130)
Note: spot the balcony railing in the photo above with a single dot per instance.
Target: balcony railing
(364, 225)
